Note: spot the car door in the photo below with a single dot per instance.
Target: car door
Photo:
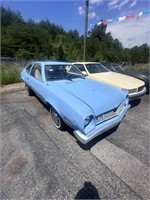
(26, 74)
(35, 80)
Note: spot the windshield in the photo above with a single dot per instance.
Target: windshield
(96, 68)
(60, 72)
(109, 66)
(118, 68)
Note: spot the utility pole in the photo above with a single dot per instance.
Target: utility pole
(85, 29)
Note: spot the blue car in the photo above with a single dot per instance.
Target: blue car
(87, 106)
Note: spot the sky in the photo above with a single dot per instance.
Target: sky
(70, 15)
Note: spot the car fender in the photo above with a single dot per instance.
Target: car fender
(142, 77)
(72, 110)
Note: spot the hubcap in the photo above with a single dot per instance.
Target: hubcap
(56, 118)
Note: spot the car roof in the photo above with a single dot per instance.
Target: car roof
(49, 62)
(86, 63)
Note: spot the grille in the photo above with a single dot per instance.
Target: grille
(110, 114)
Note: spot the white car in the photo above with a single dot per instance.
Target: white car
(98, 72)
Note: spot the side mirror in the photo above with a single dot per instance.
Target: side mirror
(84, 73)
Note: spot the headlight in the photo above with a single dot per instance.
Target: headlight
(87, 121)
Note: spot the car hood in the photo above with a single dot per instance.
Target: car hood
(118, 80)
(100, 97)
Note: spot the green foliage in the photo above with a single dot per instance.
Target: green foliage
(99, 31)
(10, 73)
(23, 54)
(44, 40)
(140, 55)
(8, 17)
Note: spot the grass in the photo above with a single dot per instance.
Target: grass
(10, 72)
(143, 68)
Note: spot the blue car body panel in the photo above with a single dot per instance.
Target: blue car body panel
(77, 98)
(93, 94)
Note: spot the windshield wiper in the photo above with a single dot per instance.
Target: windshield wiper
(67, 77)
(75, 76)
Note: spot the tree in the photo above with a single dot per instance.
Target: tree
(44, 40)
(99, 31)
(8, 17)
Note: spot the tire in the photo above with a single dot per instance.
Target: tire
(147, 92)
(57, 121)
(30, 92)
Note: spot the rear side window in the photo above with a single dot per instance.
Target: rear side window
(36, 72)
(28, 68)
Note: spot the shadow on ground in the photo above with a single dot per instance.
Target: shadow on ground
(88, 191)
(90, 144)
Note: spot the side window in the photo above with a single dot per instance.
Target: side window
(36, 72)
(28, 68)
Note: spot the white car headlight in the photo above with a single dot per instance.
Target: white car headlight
(87, 120)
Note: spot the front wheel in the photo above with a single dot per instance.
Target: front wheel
(57, 121)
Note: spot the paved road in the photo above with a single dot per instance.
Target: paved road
(40, 162)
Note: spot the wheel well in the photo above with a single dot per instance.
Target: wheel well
(48, 105)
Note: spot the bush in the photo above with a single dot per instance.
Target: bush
(10, 73)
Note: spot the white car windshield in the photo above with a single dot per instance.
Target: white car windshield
(96, 68)
(60, 72)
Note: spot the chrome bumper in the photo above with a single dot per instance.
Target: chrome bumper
(101, 128)
(137, 95)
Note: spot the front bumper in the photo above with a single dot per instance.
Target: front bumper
(101, 128)
(137, 95)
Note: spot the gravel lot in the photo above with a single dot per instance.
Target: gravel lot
(41, 162)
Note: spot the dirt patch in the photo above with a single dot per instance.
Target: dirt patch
(15, 165)
(12, 87)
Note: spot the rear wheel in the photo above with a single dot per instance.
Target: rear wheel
(57, 121)
(30, 92)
